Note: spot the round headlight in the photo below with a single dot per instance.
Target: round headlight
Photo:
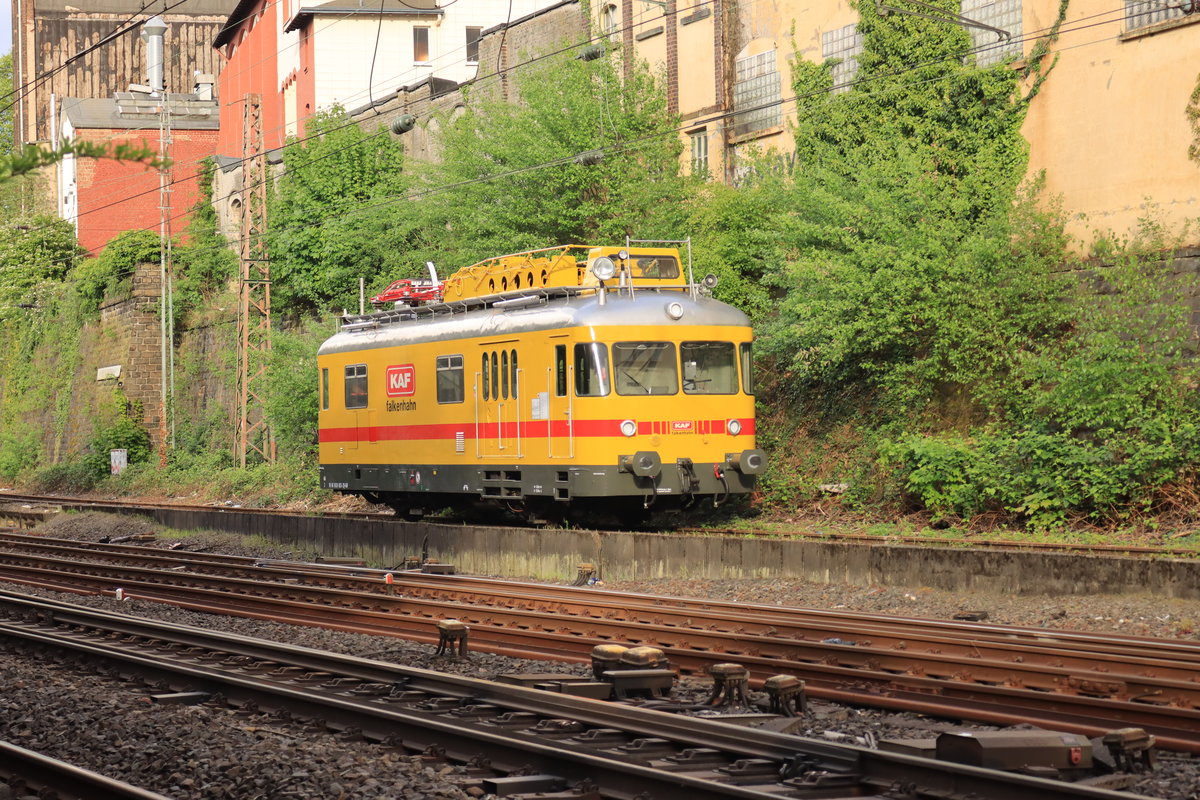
(734, 426)
(604, 268)
(629, 427)
(675, 310)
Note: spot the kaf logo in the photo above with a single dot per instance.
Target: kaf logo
(401, 381)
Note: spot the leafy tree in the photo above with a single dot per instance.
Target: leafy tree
(319, 245)
(909, 271)
(36, 251)
(206, 263)
(6, 97)
(510, 178)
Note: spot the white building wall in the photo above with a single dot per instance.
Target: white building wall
(343, 51)
(288, 60)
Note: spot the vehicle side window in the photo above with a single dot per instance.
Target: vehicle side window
(591, 370)
(560, 370)
(504, 374)
(645, 368)
(495, 376)
(747, 369)
(486, 378)
(709, 367)
(450, 379)
(324, 388)
(512, 363)
(356, 386)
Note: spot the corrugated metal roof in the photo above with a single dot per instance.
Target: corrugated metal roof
(132, 110)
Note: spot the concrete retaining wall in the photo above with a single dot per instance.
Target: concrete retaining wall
(555, 554)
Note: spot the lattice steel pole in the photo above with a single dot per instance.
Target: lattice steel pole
(254, 311)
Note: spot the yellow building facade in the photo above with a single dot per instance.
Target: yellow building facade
(1109, 127)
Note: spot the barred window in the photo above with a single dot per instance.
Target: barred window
(756, 87)
(845, 45)
(989, 47)
(1140, 13)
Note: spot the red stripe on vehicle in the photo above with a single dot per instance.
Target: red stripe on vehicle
(584, 428)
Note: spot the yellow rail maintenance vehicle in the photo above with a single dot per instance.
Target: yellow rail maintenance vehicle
(582, 381)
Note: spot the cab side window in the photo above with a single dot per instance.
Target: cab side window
(560, 370)
(591, 370)
(356, 386)
(324, 388)
(450, 379)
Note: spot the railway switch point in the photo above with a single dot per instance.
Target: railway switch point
(606, 657)
(651, 683)
(586, 572)
(786, 693)
(452, 637)
(644, 657)
(730, 682)
(1132, 749)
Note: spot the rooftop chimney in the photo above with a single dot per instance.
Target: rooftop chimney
(152, 35)
(204, 86)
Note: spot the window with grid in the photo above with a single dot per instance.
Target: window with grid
(699, 141)
(756, 84)
(845, 45)
(1140, 13)
(420, 44)
(473, 45)
(989, 47)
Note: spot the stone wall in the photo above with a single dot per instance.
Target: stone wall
(126, 336)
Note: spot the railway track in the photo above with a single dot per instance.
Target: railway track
(26, 773)
(576, 748)
(1079, 682)
(797, 533)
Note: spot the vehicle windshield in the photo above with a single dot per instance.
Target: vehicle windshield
(645, 368)
(709, 368)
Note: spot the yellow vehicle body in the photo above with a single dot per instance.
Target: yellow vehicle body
(544, 397)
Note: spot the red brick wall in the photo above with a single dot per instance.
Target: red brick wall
(251, 66)
(116, 196)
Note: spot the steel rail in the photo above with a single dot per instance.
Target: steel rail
(999, 662)
(523, 634)
(666, 756)
(982, 544)
(815, 624)
(995, 658)
(54, 778)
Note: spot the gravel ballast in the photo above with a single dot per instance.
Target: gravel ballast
(206, 751)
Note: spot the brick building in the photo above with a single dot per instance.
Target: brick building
(103, 197)
(90, 48)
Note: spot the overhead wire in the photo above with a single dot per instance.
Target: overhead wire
(362, 206)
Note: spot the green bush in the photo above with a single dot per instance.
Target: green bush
(67, 477)
(108, 274)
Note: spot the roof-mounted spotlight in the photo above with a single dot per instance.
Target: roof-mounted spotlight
(403, 124)
(604, 268)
